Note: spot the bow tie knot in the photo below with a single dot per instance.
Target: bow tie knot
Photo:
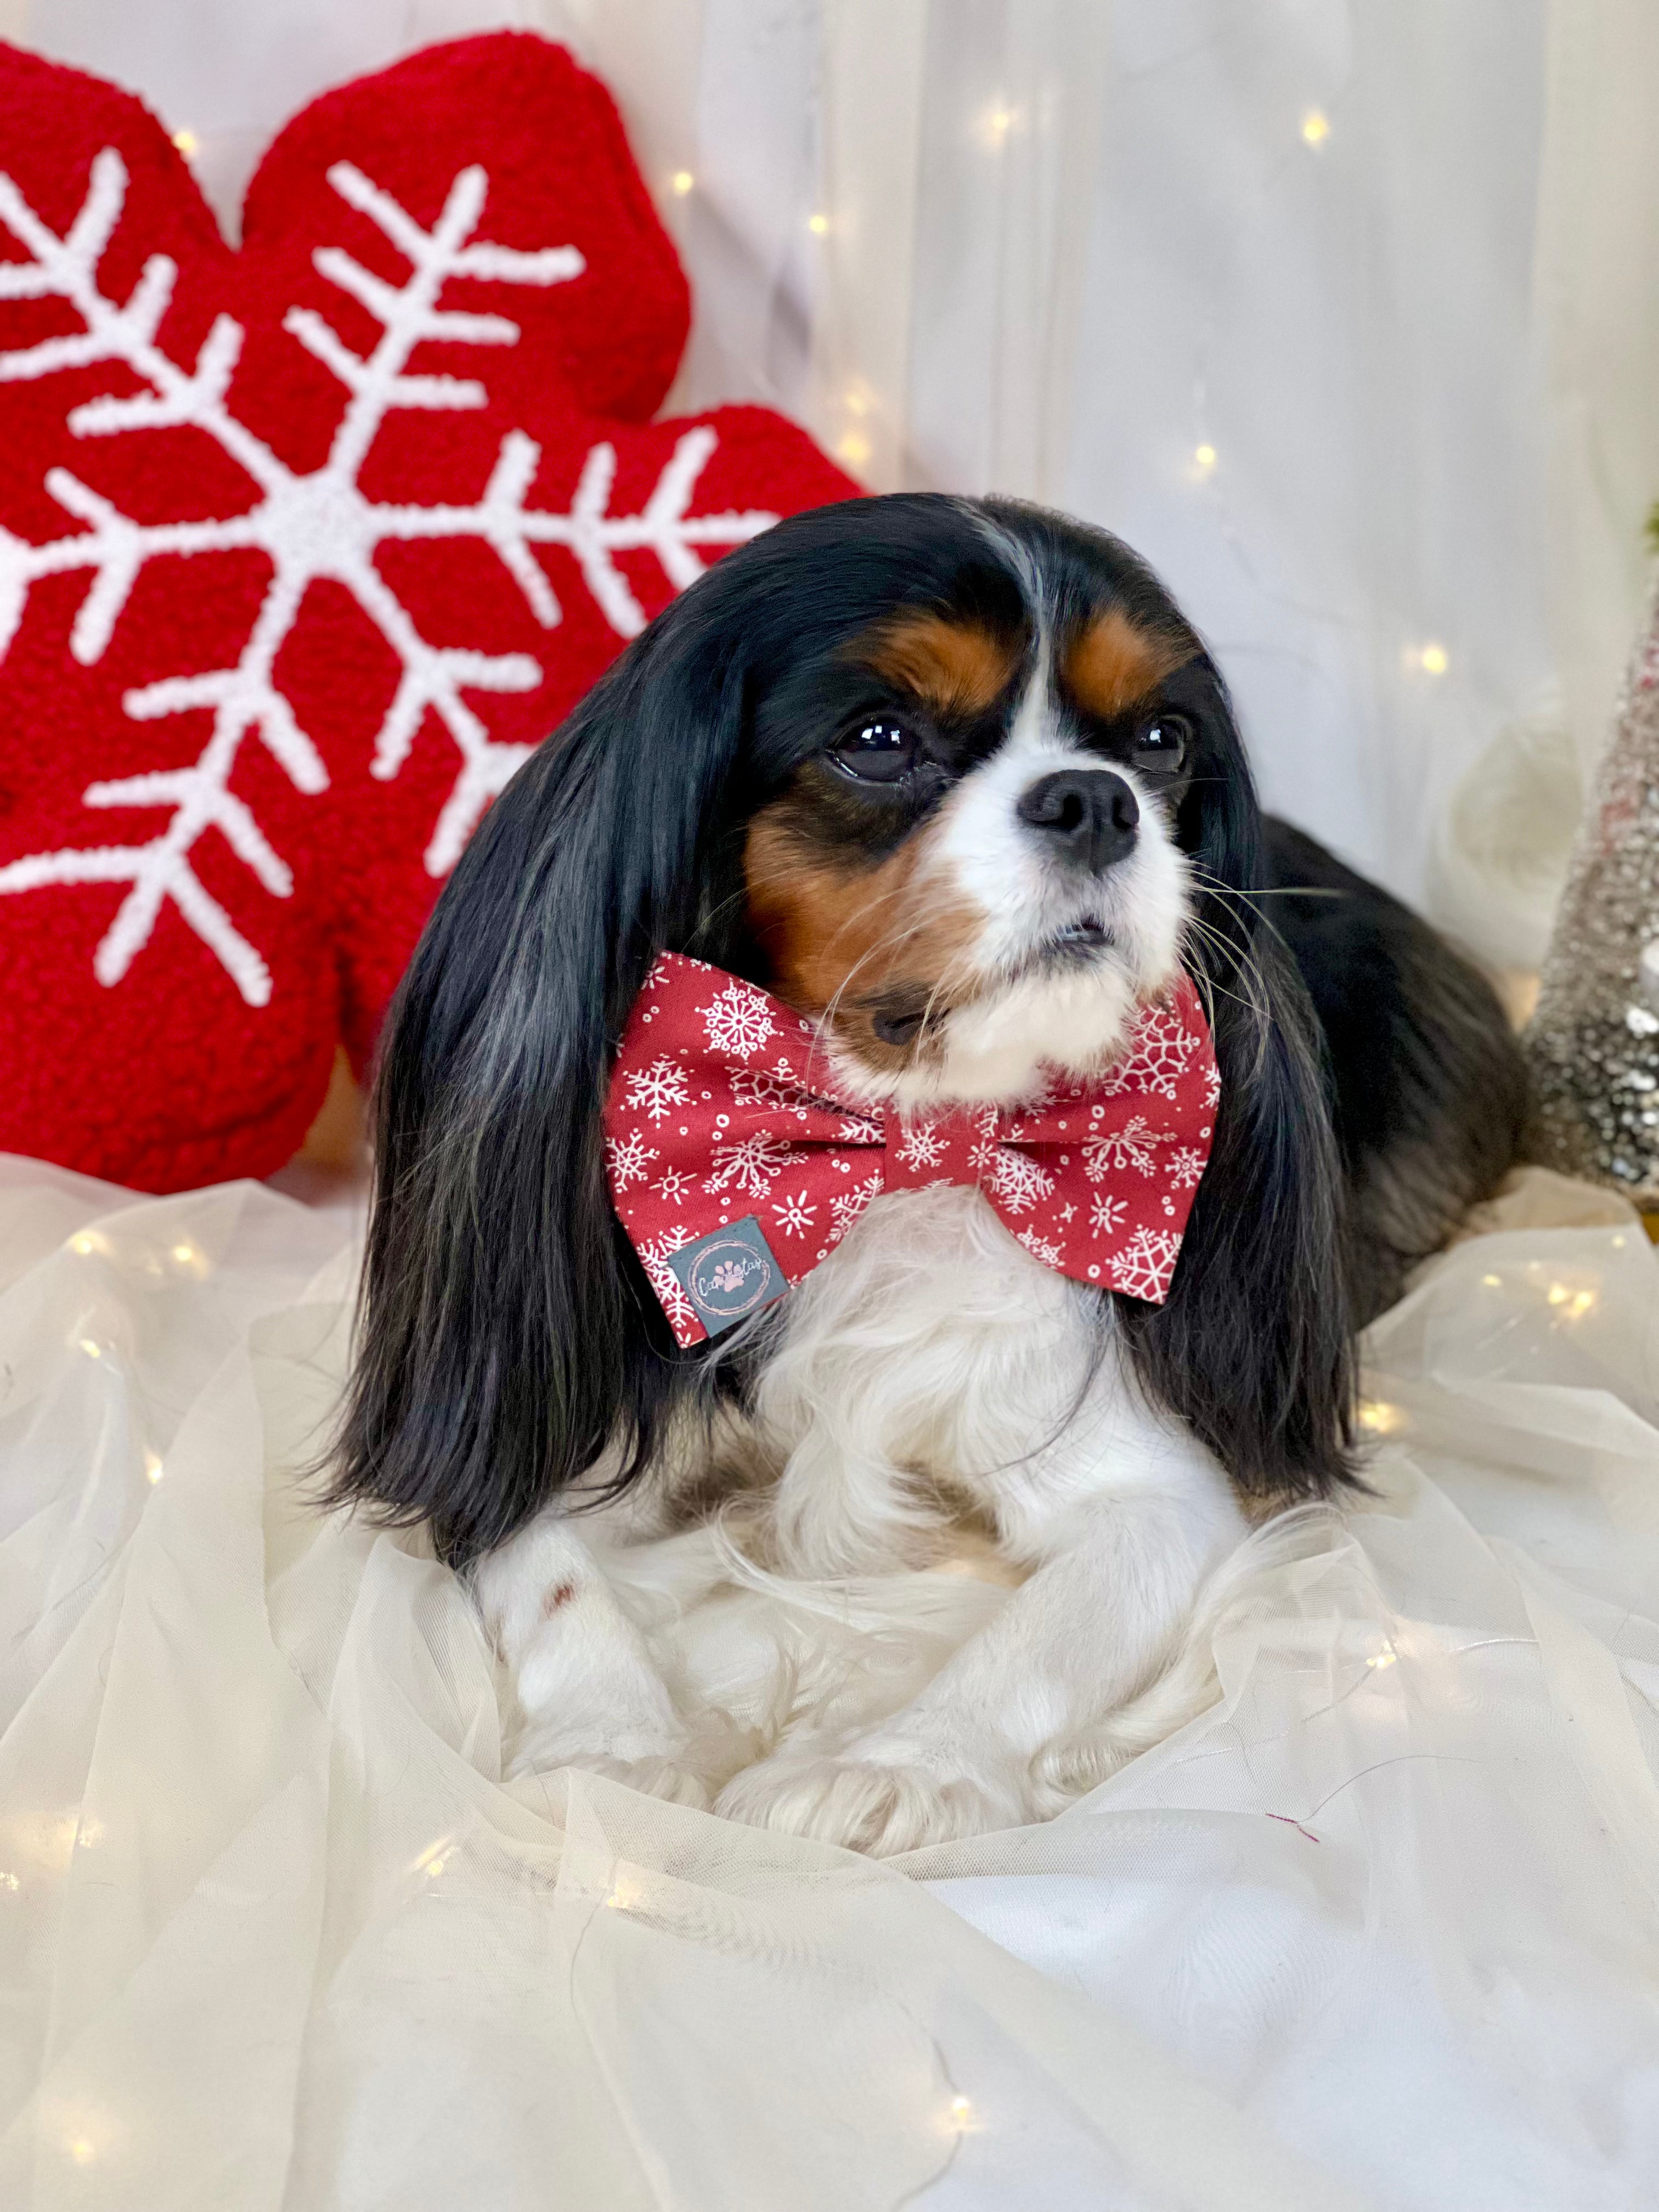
(735, 1169)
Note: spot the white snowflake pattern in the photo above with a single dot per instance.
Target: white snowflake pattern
(1039, 1099)
(751, 1165)
(768, 1092)
(846, 1207)
(629, 1158)
(310, 525)
(656, 1090)
(1050, 1254)
(672, 1184)
(984, 1152)
(796, 1215)
(671, 1291)
(922, 1146)
(1157, 1059)
(1212, 1087)
(1107, 1216)
(740, 1020)
(1143, 1268)
(1018, 1181)
(1129, 1148)
(1186, 1168)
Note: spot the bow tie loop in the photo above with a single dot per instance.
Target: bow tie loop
(735, 1169)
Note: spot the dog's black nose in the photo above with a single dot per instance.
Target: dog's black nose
(1088, 812)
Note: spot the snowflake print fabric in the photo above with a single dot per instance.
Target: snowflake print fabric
(302, 549)
(721, 1110)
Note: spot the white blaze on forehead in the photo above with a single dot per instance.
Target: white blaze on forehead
(1007, 870)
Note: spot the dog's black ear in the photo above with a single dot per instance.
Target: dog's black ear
(507, 1341)
(1253, 1346)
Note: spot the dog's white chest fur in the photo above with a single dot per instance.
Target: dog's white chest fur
(932, 1363)
(930, 1368)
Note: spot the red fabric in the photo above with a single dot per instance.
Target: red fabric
(311, 837)
(721, 1107)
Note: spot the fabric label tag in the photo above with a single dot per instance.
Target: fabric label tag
(729, 1274)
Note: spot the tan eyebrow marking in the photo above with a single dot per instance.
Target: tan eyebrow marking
(957, 666)
(1112, 664)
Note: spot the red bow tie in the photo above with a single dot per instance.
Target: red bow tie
(735, 1169)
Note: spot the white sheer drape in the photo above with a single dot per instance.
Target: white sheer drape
(1377, 1931)
(1346, 313)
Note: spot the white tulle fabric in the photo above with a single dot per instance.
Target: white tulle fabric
(1381, 1928)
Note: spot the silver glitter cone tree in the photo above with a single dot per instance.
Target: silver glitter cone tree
(1593, 1041)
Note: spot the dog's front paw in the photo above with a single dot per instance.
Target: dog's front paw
(879, 1798)
(585, 1692)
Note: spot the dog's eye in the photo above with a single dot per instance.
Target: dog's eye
(880, 752)
(1162, 743)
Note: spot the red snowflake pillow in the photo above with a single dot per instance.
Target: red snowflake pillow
(302, 548)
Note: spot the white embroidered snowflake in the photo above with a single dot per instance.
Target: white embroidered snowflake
(796, 1215)
(656, 1090)
(751, 1164)
(740, 1020)
(1212, 1086)
(1163, 1046)
(627, 1158)
(1143, 1268)
(1050, 1254)
(672, 1184)
(1107, 1216)
(846, 1207)
(1131, 1146)
(310, 525)
(1018, 1181)
(922, 1146)
(671, 1291)
(1186, 1168)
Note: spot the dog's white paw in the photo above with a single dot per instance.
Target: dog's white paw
(879, 1798)
(585, 1692)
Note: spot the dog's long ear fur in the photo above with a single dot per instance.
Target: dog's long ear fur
(507, 1336)
(1253, 1348)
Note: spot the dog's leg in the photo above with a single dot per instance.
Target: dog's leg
(1101, 1615)
(586, 1688)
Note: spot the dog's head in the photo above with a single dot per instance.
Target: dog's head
(964, 847)
(956, 781)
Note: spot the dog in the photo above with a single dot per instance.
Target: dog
(951, 796)
(1427, 1086)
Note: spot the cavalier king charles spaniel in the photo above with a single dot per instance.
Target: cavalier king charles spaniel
(944, 797)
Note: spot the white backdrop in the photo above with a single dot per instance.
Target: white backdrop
(1344, 312)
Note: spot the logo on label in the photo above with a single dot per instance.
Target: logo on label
(729, 1273)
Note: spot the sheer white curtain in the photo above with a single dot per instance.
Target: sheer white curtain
(1346, 313)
